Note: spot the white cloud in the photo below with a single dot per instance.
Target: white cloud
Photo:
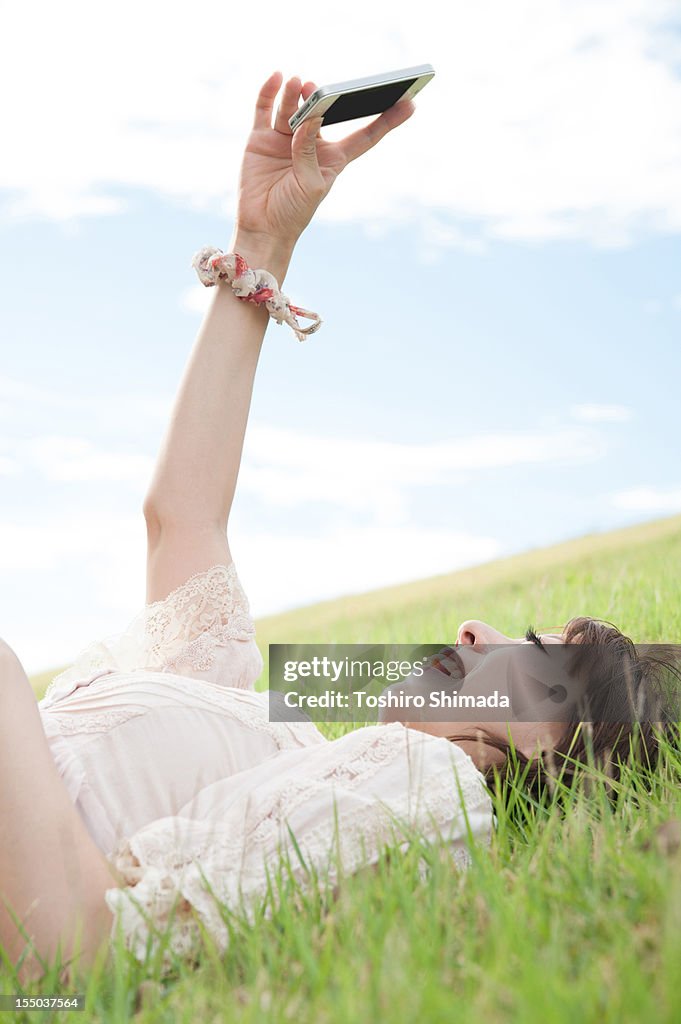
(16, 394)
(73, 580)
(96, 567)
(594, 413)
(289, 468)
(285, 573)
(124, 432)
(417, 463)
(55, 542)
(94, 563)
(196, 299)
(649, 499)
(78, 459)
(546, 118)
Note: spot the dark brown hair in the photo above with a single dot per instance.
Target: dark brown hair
(630, 704)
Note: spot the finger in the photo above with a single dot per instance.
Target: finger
(365, 138)
(265, 101)
(306, 92)
(288, 106)
(304, 154)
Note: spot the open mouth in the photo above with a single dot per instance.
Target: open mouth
(454, 669)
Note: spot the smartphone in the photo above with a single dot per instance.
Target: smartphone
(362, 97)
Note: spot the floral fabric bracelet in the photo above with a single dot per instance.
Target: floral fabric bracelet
(256, 286)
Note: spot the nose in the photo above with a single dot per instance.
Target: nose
(477, 634)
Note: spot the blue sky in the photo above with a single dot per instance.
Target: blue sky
(498, 365)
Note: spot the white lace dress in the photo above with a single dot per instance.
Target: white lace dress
(188, 788)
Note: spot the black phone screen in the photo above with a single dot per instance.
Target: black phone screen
(366, 102)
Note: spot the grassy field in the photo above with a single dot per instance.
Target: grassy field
(572, 915)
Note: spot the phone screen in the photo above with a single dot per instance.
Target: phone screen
(366, 101)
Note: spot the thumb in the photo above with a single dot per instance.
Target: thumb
(304, 153)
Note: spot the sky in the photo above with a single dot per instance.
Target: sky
(499, 280)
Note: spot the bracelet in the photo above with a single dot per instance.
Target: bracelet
(257, 286)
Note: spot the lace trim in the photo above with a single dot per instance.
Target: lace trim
(210, 608)
(183, 630)
(74, 723)
(148, 850)
(245, 706)
(374, 752)
(167, 882)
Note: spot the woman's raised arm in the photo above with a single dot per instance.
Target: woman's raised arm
(284, 177)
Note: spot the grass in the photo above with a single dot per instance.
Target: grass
(574, 911)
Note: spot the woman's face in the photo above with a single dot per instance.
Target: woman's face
(483, 661)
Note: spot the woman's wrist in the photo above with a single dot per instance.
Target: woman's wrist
(263, 251)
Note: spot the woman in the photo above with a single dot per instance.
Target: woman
(151, 767)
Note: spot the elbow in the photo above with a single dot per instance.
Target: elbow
(161, 519)
(6, 654)
(152, 518)
(10, 665)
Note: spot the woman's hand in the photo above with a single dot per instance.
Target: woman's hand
(284, 175)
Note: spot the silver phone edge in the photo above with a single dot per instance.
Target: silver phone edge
(423, 73)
